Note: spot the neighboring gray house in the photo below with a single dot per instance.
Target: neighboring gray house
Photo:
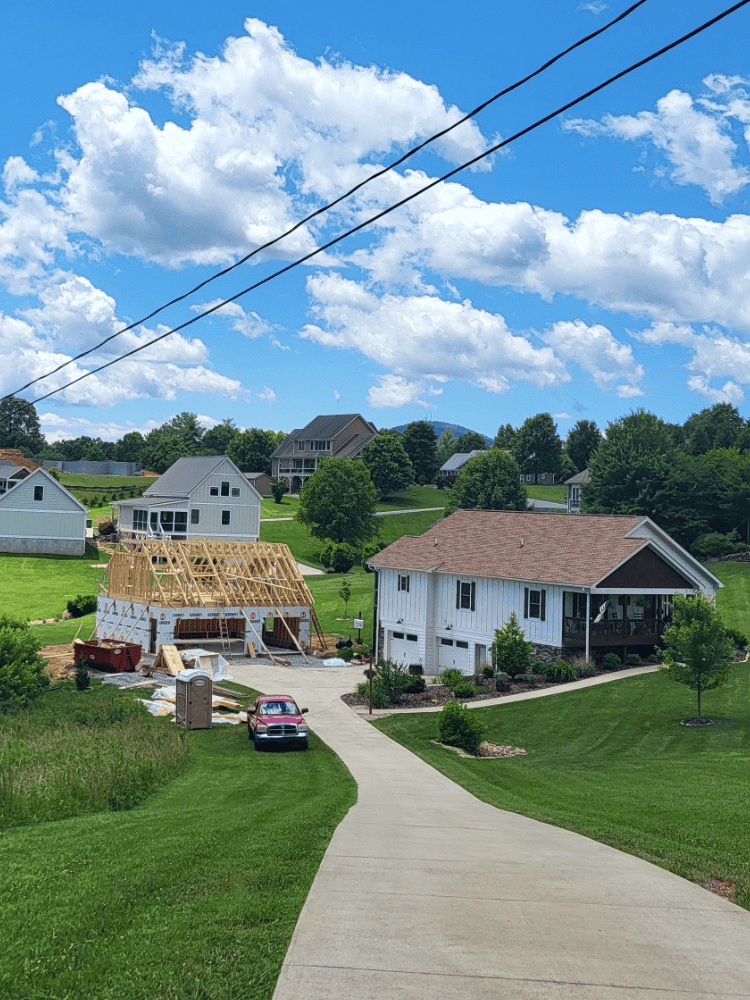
(261, 481)
(39, 515)
(576, 584)
(11, 474)
(450, 469)
(202, 497)
(574, 490)
(332, 436)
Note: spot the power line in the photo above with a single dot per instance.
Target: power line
(427, 187)
(347, 194)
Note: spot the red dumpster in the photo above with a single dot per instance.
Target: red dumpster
(109, 654)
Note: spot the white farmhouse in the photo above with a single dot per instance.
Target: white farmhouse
(201, 497)
(37, 514)
(575, 584)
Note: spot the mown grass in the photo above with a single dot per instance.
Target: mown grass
(109, 483)
(59, 632)
(192, 894)
(733, 600)
(330, 608)
(39, 586)
(613, 763)
(80, 752)
(414, 497)
(555, 494)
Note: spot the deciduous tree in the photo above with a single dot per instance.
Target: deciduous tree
(490, 481)
(19, 426)
(537, 446)
(420, 444)
(217, 440)
(505, 436)
(697, 650)
(389, 465)
(582, 442)
(338, 502)
(252, 449)
(470, 441)
(22, 670)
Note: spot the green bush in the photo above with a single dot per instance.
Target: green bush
(480, 689)
(415, 684)
(464, 690)
(83, 680)
(81, 605)
(487, 671)
(737, 637)
(714, 545)
(337, 556)
(634, 660)
(370, 549)
(611, 661)
(362, 690)
(502, 681)
(451, 677)
(346, 654)
(531, 679)
(586, 669)
(460, 727)
(22, 672)
(391, 679)
(278, 489)
(560, 672)
(510, 650)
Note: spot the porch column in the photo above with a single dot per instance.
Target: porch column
(588, 625)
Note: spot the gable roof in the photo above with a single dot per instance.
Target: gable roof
(460, 458)
(8, 497)
(579, 477)
(325, 428)
(181, 478)
(549, 548)
(17, 457)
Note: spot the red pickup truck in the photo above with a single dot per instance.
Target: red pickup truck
(275, 720)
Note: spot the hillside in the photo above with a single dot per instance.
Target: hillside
(440, 425)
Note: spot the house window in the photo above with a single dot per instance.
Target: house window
(412, 638)
(140, 520)
(225, 489)
(465, 595)
(534, 603)
(195, 515)
(225, 516)
(39, 493)
(214, 491)
(154, 520)
(300, 446)
(180, 521)
(579, 605)
(398, 635)
(446, 642)
(235, 491)
(320, 446)
(403, 583)
(166, 520)
(462, 645)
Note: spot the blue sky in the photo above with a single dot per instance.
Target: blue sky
(597, 265)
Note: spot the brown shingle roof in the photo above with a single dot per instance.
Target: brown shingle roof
(557, 548)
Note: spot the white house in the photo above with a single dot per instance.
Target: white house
(37, 514)
(201, 497)
(574, 583)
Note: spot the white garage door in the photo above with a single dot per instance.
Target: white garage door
(453, 653)
(403, 647)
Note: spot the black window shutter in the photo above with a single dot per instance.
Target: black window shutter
(458, 593)
(526, 602)
(473, 595)
(543, 604)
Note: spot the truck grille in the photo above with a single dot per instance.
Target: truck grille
(281, 729)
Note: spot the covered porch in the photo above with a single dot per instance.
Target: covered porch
(630, 619)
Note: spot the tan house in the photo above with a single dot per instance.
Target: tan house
(332, 436)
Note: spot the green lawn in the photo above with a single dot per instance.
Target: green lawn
(415, 497)
(330, 608)
(733, 600)
(109, 483)
(38, 586)
(193, 894)
(613, 763)
(58, 633)
(555, 494)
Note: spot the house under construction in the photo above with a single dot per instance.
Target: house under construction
(164, 592)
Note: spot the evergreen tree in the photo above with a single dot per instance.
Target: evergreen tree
(446, 447)
(470, 441)
(217, 440)
(504, 437)
(581, 442)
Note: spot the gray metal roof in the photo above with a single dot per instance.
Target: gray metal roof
(460, 458)
(580, 477)
(184, 476)
(10, 471)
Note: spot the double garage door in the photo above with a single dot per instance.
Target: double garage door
(403, 647)
(453, 653)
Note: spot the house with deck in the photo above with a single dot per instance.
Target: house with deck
(38, 515)
(330, 436)
(205, 496)
(577, 585)
(574, 490)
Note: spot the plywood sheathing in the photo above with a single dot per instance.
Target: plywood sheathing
(204, 574)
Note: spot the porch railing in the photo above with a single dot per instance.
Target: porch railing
(613, 631)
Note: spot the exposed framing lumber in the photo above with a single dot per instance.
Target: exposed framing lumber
(262, 644)
(295, 640)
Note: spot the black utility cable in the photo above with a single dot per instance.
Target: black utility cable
(439, 180)
(347, 194)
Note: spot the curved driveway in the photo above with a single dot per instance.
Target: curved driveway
(426, 892)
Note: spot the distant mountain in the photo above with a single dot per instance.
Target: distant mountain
(440, 425)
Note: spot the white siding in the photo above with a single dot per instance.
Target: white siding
(56, 523)
(244, 510)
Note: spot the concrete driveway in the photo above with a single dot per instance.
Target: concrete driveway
(427, 892)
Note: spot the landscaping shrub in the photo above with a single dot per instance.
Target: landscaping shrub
(714, 545)
(510, 650)
(415, 684)
(464, 690)
(487, 671)
(83, 680)
(370, 549)
(278, 489)
(531, 679)
(560, 672)
(391, 679)
(586, 669)
(611, 661)
(346, 654)
(460, 727)
(502, 681)
(480, 689)
(337, 556)
(634, 660)
(737, 637)
(451, 677)
(81, 605)
(22, 672)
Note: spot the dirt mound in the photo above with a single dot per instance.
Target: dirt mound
(59, 661)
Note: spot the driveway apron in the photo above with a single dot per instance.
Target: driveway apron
(425, 891)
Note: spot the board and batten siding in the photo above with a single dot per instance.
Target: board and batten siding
(55, 524)
(403, 611)
(244, 509)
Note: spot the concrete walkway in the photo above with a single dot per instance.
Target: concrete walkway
(426, 892)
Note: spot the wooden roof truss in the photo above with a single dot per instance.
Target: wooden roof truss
(202, 574)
